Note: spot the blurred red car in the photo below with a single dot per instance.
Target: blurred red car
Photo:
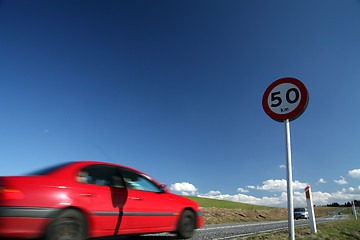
(91, 199)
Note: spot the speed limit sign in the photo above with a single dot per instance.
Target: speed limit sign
(286, 98)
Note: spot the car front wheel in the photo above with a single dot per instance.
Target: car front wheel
(186, 225)
(69, 225)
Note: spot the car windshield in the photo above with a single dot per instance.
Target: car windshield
(47, 170)
(299, 210)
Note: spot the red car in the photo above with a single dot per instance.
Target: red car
(92, 199)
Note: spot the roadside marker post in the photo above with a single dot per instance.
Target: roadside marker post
(354, 209)
(285, 100)
(310, 207)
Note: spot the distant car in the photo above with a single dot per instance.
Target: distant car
(79, 200)
(301, 213)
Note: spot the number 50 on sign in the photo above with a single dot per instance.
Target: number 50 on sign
(286, 98)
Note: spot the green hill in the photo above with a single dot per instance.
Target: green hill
(208, 202)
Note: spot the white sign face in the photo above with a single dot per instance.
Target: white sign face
(284, 98)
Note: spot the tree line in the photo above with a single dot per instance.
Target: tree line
(348, 204)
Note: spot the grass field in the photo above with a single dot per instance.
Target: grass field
(338, 230)
(207, 202)
(220, 211)
(349, 210)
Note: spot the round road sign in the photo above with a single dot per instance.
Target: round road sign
(286, 98)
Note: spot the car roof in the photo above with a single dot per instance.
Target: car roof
(78, 165)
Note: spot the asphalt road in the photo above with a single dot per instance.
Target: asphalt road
(233, 231)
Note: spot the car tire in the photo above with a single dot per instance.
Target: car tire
(186, 225)
(70, 224)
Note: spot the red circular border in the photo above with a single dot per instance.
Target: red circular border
(294, 113)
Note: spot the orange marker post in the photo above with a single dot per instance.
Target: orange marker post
(310, 207)
(354, 209)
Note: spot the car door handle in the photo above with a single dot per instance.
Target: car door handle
(135, 198)
(87, 195)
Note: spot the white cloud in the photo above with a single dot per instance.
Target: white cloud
(282, 166)
(213, 193)
(241, 190)
(272, 201)
(280, 185)
(346, 195)
(319, 198)
(184, 188)
(351, 190)
(275, 200)
(265, 201)
(321, 180)
(354, 173)
(341, 181)
(299, 185)
(280, 200)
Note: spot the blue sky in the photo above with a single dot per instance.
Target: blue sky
(174, 89)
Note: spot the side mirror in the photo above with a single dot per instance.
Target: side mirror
(164, 188)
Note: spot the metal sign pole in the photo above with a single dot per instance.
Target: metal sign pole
(285, 100)
(289, 183)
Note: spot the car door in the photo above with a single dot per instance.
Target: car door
(104, 186)
(147, 206)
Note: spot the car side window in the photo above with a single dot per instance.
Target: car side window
(136, 181)
(102, 175)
